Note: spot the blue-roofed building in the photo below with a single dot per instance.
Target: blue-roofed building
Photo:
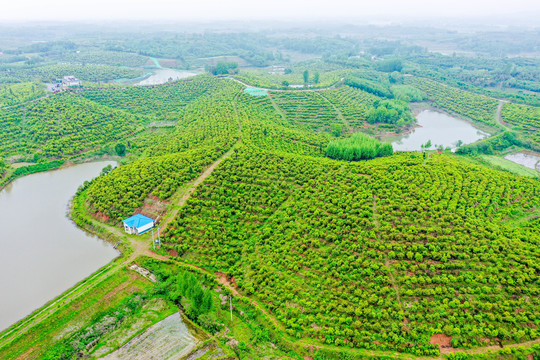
(137, 224)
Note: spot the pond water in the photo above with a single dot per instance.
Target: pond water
(528, 160)
(42, 252)
(161, 76)
(440, 128)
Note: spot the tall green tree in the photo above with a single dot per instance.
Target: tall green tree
(306, 76)
(316, 77)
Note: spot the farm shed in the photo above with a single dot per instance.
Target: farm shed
(137, 224)
(71, 81)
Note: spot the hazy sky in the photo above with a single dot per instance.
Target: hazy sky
(17, 10)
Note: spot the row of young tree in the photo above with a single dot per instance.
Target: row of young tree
(476, 107)
(324, 244)
(525, 119)
(328, 247)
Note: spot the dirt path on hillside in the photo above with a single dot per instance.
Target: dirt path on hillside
(338, 112)
(191, 188)
(387, 264)
(139, 245)
(238, 118)
(333, 86)
(276, 107)
(498, 117)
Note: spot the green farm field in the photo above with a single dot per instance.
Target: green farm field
(287, 229)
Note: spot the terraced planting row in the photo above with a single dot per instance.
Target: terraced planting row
(262, 126)
(166, 102)
(62, 125)
(524, 118)
(354, 104)
(360, 254)
(307, 109)
(51, 72)
(209, 129)
(464, 103)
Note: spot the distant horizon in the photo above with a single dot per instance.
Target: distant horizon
(528, 20)
(28, 11)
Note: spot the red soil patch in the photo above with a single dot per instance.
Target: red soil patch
(101, 217)
(173, 252)
(443, 341)
(222, 279)
(530, 357)
(152, 254)
(377, 342)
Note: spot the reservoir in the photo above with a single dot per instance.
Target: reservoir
(440, 128)
(161, 76)
(528, 160)
(42, 252)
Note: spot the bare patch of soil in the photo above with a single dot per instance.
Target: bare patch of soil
(443, 341)
(153, 207)
(222, 279)
(101, 217)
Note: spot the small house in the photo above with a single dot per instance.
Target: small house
(71, 81)
(138, 224)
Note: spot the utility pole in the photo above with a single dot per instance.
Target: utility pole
(153, 241)
(231, 306)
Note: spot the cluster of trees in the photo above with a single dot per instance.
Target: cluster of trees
(317, 241)
(408, 93)
(389, 65)
(186, 290)
(222, 68)
(491, 145)
(358, 147)
(369, 86)
(117, 195)
(390, 112)
(208, 128)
